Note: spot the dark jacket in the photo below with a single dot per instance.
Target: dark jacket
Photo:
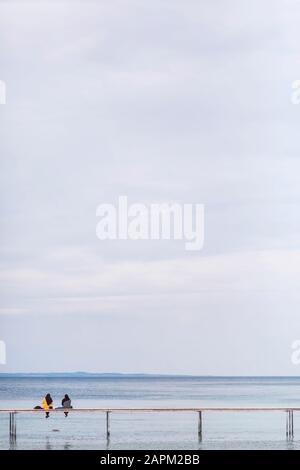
(66, 403)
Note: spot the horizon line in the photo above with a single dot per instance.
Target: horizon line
(149, 374)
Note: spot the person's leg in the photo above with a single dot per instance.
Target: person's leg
(66, 414)
(47, 414)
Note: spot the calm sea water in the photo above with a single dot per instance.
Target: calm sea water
(152, 431)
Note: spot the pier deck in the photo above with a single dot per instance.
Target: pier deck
(289, 411)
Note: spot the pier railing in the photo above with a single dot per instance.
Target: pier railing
(289, 431)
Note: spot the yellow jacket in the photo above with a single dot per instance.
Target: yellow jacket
(46, 406)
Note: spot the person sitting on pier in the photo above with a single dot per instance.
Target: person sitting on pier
(66, 403)
(47, 404)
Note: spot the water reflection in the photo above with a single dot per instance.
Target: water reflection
(12, 443)
(48, 443)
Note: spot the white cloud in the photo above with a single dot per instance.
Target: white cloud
(104, 287)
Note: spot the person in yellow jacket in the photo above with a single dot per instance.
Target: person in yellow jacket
(47, 404)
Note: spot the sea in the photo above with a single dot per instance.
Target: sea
(171, 431)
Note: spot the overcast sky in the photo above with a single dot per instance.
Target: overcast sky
(168, 100)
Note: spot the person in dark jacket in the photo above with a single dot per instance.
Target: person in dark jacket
(66, 403)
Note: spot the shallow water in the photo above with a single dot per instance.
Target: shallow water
(255, 430)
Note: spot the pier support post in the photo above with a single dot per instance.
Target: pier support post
(200, 426)
(107, 425)
(289, 424)
(12, 426)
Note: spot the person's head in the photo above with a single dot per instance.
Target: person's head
(67, 397)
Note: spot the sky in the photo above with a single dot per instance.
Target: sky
(159, 101)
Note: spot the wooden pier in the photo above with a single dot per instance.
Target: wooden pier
(289, 432)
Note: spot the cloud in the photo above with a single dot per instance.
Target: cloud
(116, 287)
